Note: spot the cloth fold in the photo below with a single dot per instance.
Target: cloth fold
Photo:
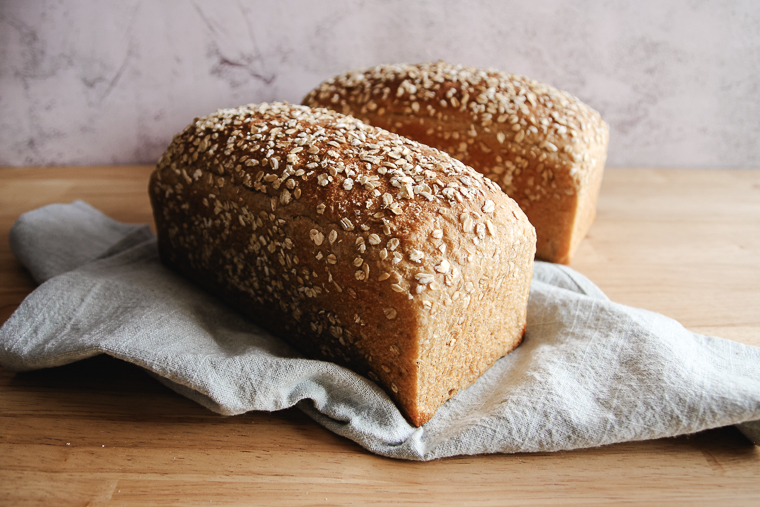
(590, 371)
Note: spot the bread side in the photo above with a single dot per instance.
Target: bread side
(544, 147)
(356, 245)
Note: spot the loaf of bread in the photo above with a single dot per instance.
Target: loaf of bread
(354, 244)
(544, 147)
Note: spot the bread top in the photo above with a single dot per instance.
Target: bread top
(532, 119)
(332, 204)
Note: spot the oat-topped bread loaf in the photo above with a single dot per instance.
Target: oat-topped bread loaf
(356, 245)
(543, 146)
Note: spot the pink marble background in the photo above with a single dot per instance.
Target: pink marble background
(87, 82)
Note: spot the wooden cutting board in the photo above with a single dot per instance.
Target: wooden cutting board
(685, 243)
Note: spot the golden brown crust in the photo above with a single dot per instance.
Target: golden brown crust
(357, 245)
(544, 147)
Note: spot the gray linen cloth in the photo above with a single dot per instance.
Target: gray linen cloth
(590, 372)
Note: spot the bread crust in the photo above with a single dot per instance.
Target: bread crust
(544, 147)
(354, 244)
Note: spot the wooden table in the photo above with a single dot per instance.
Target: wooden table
(685, 243)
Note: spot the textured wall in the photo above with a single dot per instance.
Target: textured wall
(87, 82)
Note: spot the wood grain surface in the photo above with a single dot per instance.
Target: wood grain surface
(685, 243)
